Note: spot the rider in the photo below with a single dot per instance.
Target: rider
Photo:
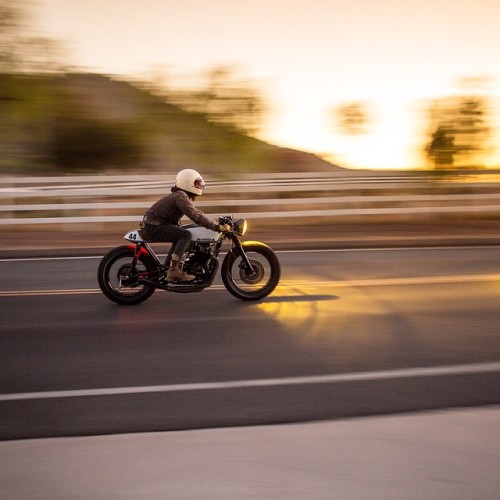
(161, 221)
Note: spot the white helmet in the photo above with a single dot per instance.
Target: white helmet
(191, 181)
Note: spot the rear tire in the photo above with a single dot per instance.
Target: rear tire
(117, 282)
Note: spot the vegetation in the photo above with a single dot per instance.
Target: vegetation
(352, 118)
(459, 132)
(222, 98)
(91, 123)
(22, 48)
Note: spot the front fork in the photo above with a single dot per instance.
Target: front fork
(245, 261)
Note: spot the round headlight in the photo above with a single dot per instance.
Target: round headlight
(240, 226)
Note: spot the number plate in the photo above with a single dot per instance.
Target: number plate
(133, 236)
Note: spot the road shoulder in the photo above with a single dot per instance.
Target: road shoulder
(440, 454)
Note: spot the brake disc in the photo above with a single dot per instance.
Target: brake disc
(255, 275)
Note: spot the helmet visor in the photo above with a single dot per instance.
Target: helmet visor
(199, 183)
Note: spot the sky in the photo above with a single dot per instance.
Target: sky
(308, 57)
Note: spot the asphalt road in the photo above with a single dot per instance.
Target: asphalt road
(347, 333)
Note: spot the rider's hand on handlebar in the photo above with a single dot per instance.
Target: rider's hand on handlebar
(224, 228)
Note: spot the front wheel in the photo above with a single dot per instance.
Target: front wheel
(256, 282)
(118, 277)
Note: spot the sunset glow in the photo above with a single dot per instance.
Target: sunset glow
(307, 58)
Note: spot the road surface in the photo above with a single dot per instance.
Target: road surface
(347, 333)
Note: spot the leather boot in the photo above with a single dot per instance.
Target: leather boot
(175, 274)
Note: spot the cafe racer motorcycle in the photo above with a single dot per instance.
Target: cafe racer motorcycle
(131, 273)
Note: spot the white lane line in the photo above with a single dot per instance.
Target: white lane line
(42, 259)
(434, 371)
(311, 250)
(34, 293)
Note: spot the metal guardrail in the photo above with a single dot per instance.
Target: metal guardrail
(80, 195)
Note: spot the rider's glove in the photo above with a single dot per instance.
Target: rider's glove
(224, 228)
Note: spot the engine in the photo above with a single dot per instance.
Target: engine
(200, 261)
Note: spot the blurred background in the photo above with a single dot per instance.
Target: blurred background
(88, 87)
(402, 101)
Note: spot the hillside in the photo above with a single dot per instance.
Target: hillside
(83, 123)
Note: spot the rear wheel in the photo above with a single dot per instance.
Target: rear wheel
(256, 282)
(118, 279)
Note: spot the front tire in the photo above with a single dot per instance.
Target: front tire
(117, 281)
(255, 283)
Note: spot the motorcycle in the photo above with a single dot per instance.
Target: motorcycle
(130, 274)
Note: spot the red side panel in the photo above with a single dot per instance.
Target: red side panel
(143, 251)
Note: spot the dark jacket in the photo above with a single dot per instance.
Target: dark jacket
(171, 208)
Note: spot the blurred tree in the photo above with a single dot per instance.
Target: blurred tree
(225, 100)
(473, 131)
(441, 149)
(10, 26)
(459, 132)
(23, 49)
(352, 118)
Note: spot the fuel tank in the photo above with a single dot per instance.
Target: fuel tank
(201, 234)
